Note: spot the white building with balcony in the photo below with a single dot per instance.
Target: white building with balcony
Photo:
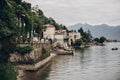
(49, 31)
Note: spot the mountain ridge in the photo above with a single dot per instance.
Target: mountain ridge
(108, 31)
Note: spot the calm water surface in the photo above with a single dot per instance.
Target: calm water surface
(94, 63)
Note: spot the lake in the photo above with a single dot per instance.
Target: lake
(93, 63)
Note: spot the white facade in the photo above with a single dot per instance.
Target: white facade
(60, 35)
(59, 38)
(74, 36)
(49, 32)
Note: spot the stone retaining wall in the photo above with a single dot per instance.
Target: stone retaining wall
(41, 51)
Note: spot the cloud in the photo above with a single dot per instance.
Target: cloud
(85, 11)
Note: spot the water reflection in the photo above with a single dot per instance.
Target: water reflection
(94, 63)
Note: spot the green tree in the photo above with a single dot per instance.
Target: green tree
(78, 42)
(102, 39)
(89, 35)
(7, 72)
(8, 32)
(97, 39)
(81, 31)
(86, 36)
(8, 29)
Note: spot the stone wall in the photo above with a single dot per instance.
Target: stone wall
(41, 51)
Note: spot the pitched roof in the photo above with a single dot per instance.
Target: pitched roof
(48, 26)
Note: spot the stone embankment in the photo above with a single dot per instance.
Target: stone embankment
(40, 56)
(40, 52)
(37, 65)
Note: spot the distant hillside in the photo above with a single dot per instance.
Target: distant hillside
(110, 32)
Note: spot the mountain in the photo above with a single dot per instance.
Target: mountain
(110, 32)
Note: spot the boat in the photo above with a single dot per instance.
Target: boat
(63, 52)
(114, 48)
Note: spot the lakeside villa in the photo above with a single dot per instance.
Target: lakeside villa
(60, 36)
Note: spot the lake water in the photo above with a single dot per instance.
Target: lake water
(94, 63)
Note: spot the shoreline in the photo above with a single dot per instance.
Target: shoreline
(37, 65)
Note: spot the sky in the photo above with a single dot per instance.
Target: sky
(70, 12)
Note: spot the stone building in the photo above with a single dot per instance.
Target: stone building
(73, 36)
(35, 9)
(49, 31)
(60, 36)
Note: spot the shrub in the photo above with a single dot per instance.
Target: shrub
(78, 42)
(24, 50)
(8, 72)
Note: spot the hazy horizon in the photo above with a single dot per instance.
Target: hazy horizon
(94, 24)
